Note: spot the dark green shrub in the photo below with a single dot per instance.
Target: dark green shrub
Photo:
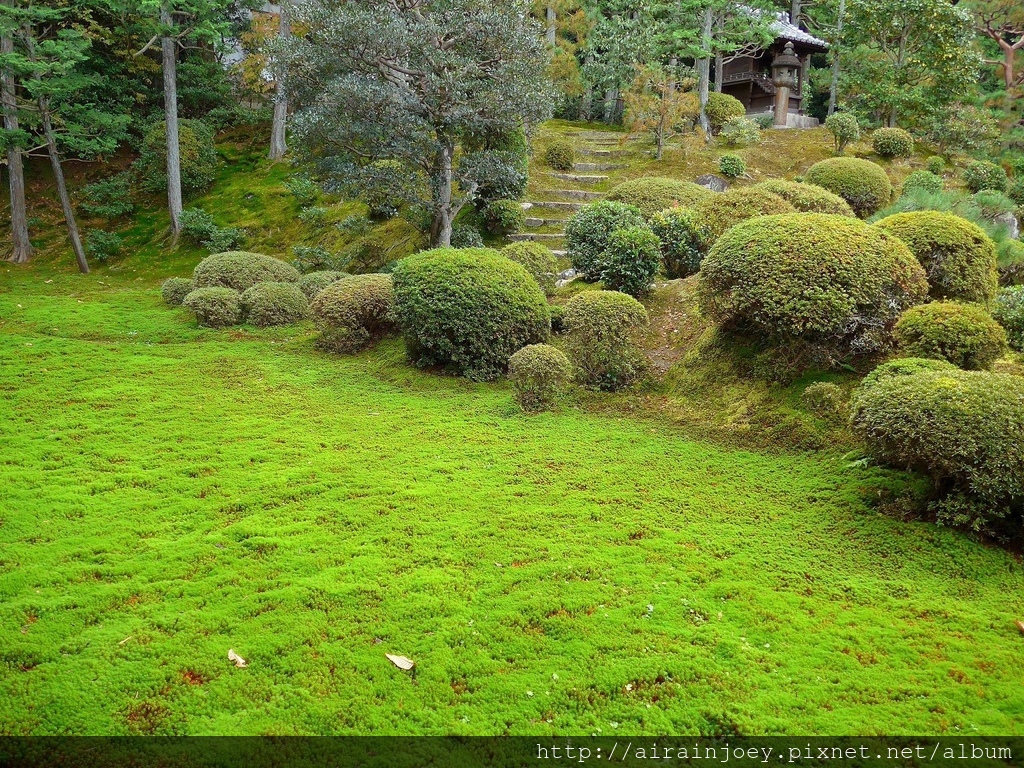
(935, 164)
(175, 289)
(557, 319)
(718, 213)
(353, 313)
(1010, 261)
(683, 241)
(314, 258)
(1016, 191)
(241, 271)
(981, 174)
(505, 217)
(721, 108)
(305, 190)
(653, 194)
(844, 129)
(631, 261)
(539, 374)
(314, 282)
(271, 304)
(861, 183)
(963, 429)
(892, 142)
(826, 400)
(604, 332)
(823, 286)
(958, 257)
(588, 230)
(923, 180)
(732, 166)
(314, 215)
(992, 203)
(539, 261)
(560, 156)
(1008, 310)
(740, 132)
(103, 245)
(964, 334)
(199, 227)
(215, 307)
(108, 198)
(198, 157)
(469, 309)
(466, 236)
(807, 198)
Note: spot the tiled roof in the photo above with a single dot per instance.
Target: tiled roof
(785, 30)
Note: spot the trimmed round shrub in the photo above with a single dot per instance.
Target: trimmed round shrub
(215, 307)
(198, 157)
(175, 289)
(844, 129)
(721, 108)
(560, 156)
(683, 241)
(353, 313)
(241, 271)
(861, 183)
(468, 309)
(892, 142)
(720, 212)
(587, 232)
(981, 174)
(740, 132)
(963, 429)
(1008, 311)
(732, 166)
(825, 399)
(539, 260)
(604, 331)
(964, 334)
(539, 374)
(926, 181)
(830, 285)
(906, 366)
(936, 165)
(505, 217)
(654, 194)
(958, 257)
(807, 198)
(314, 282)
(631, 261)
(271, 304)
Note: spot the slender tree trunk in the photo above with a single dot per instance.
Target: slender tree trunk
(444, 215)
(719, 66)
(552, 30)
(796, 12)
(1010, 62)
(62, 187)
(22, 246)
(278, 137)
(833, 92)
(704, 71)
(170, 68)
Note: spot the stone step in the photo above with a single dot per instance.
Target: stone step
(577, 194)
(535, 237)
(602, 152)
(579, 179)
(591, 167)
(560, 254)
(602, 136)
(555, 205)
(533, 222)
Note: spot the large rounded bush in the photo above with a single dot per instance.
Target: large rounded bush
(861, 183)
(604, 331)
(198, 157)
(958, 257)
(683, 241)
(539, 374)
(587, 232)
(631, 261)
(314, 282)
(830, 284)
(215, 307)
(241, 271)
(892, 142)
(964, 429)
(733, 166)
(539, 260)
(964, 334)
(653, 194)
(352, 313)
(926, 181)
(1008, 310)
(981, 174)
(721, 108)
(807, 198)
(175, 289)
(469, 309)
(720, 212)
(270, 304)
(906, 366)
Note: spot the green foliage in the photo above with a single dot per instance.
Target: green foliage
(557, 319)
(1015, 191)
(505, 217)
(992, 203)
(740, 132)
(468, 309)
(538, 260)
(215, 307)
(539, 373)
(1010, 262)
(199, 227)
(466, 236)
(314, 215)
(313, 283)
(892, 143)
(198, 158)
(683, 239)
(905, 366)
(935, 164)
(604, 333)
(823, 287)
(923, 180)
(587, 232)
(964, 334)
(958, 257)
(271, 304)
(826, 400)
(102, 245)
(109, 198)
(861, 183)
(807, 198)
(983, 174)
(175, 289)
(764, 122)
(963, 429)
(844, 129)
(631, 260)
(717, 213)
(305, 190)
(653, 194)
(732, 166)
(1008, 311)
(316, 258)
(241, 271)
(721, 108)
(964, 128)
(560, 156)
(353, 313)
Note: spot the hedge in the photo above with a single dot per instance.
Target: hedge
(604, 330)
(539, 374)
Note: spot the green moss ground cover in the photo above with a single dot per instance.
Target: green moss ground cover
(170, 493)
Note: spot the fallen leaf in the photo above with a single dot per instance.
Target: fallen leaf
(1020, 626)
(125, 640)
(400, 661)
(239, 661)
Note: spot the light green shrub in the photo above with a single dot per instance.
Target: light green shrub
(652, 194)
(982, 174)
(861, 183)
(314, 282)
(561, 156)
(215, 307)
(721, 108)
(963, 334)
(683, 241)
(241, 271)
(538, 260)
(1008, 311)
(732, 166)
(604, 332)
(175, 289)
(718, 213)
(807, 198)
(539, 374)
(923, 180)
(271, 304)
(587, 232)
(353, 313)
(892, 142)
(844, 129)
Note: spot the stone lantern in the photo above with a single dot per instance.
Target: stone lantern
(785, 77)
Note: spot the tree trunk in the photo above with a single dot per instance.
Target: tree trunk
(833, 92)
(22, 246)
(62, 187)
(796, 11)
(170, 67)
(719, 66)
(552, 19)
(704, 71)
(278, 138)
(444, 215)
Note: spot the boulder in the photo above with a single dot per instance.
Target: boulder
(712, 182)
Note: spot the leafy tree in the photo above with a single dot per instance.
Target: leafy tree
(1002, 21)
(13, 138)
(396, 93)
(658, 103)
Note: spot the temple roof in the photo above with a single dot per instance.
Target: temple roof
(786, 30)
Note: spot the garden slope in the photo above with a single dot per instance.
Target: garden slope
(171, 493)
